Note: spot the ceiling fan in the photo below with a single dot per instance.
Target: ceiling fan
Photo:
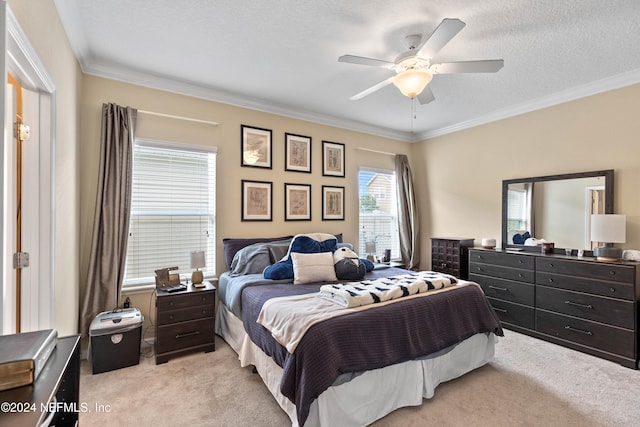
(414, 69)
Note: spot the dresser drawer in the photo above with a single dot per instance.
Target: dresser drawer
(582, 284)
(508, 290)
(185, 301)
(514, 314)
(592, 334)
(503, 259)
(182, 335)
(183, 314)
(592, 270)
(498, 271)
(606, 310)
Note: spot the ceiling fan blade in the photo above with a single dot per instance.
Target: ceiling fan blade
(447, 30)
(484, 66)
(360, 60)
(372, 89)
(426, 96)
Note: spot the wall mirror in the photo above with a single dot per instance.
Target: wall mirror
(554, 208)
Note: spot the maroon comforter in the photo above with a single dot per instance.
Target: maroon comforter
(367, 339)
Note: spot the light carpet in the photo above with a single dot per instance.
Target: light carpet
(529, 382)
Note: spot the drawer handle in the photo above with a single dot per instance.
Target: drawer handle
(204, 311)
(612, 272)
(520, 261)
(577, 304)
(188, 334)
(612, 290)
(550, 264)
(497, 288)
(171, 317)
(501, 310)
(570, 328)
(550, 279)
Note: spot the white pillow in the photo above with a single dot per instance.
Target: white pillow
(310, 268)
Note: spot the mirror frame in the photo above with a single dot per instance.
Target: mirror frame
(608, 201)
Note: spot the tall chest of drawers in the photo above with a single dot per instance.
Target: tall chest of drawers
(450, 255)
(580, 303)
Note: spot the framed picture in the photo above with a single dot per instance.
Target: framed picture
(332, 159)
(297, 153)
(255, 150)
(297, 202)
(256, 200)
(332, 203)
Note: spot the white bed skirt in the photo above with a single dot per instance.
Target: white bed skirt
(353, 403)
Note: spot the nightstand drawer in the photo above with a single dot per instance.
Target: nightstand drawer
(184, 314)
(515, 314)
(183, 335)
(592, 334)
(605, 310)
(183, 301)
(508, 290)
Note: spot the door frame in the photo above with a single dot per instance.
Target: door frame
(23, 63)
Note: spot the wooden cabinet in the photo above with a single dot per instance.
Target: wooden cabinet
(53, 399)
(450, 255)
(185, 321)
(580, 303)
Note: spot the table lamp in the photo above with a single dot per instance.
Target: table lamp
(608, 229)
(196, 261)
(370, 247)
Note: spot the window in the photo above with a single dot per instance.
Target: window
(172, 208)
(378, 212)
(519, 207)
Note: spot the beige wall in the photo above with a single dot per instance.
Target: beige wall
(226, 137)
(459, 176)
(39, 20)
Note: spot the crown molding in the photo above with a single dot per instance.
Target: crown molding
(589, 89)
(159, 82)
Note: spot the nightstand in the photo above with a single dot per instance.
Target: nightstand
(185, 321)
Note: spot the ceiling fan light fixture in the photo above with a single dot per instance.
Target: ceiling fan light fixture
(412, 82)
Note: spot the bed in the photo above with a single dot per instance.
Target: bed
(361, 363)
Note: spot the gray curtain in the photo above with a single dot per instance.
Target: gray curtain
(408, 223)
(112, 211)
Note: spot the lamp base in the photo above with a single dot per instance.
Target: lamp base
(196, 277)
(607, 253)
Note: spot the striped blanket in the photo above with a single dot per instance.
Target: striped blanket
(355, 294)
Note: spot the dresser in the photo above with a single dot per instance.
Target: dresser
(185, 321)
(53, 399)
(450, 255)
(579, 303)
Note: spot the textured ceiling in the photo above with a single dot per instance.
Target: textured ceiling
(282, 56)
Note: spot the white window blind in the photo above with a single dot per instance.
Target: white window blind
(378, 212)
(172, 208)
(517, 209)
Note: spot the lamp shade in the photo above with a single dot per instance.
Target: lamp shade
(196, 260)
(412, 82)
(370, 247)
(608, 228)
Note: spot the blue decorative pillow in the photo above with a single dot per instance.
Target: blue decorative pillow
(302, 243)
(519, 239)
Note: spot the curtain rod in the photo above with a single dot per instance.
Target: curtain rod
(376, 151)
(171, 116)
